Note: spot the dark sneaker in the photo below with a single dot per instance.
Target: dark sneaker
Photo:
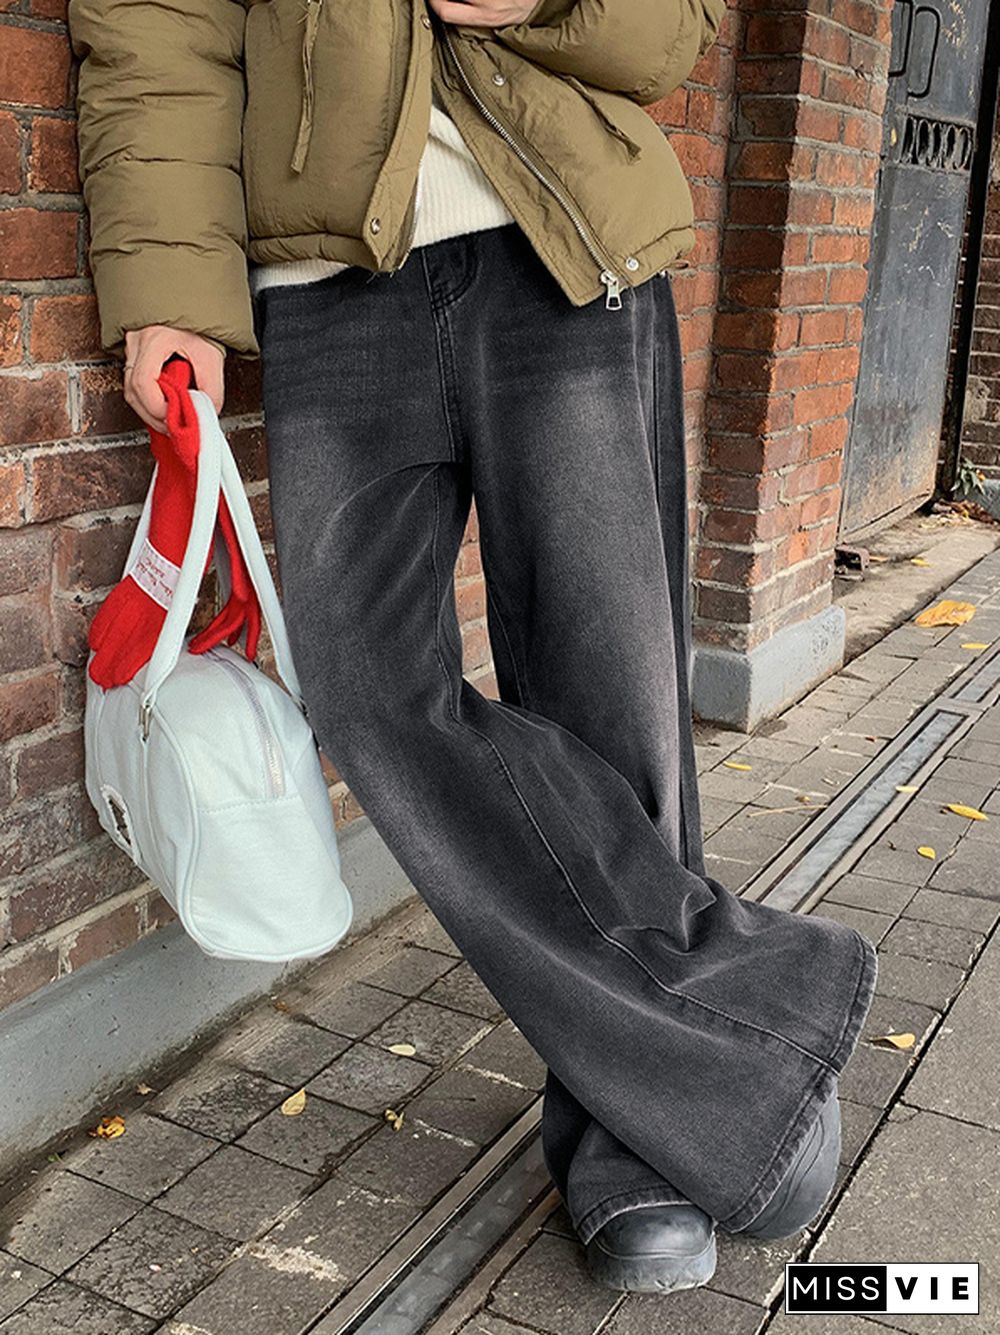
(654, 1249)
(806, 1186)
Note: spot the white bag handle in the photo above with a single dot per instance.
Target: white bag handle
(216, 468)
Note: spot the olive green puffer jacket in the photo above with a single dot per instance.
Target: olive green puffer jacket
(213, 131)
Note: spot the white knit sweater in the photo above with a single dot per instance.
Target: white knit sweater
(453, 196)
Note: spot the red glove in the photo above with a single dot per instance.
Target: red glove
(127, 625)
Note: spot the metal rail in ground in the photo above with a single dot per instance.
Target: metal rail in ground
(440, 1270)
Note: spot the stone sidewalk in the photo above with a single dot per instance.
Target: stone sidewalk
(216, 1213)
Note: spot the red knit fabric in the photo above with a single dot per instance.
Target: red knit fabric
(127, 625)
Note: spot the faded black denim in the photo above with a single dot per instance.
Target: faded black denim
(690, 1037)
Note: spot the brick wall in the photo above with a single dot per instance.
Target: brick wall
(802, 165)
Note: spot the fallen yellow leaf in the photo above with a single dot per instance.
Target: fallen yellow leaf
(396, 1118)
(970, 813)
(736, 764)
(144, 1089)
(907, 787)
(109, 1128)
(975, 644)
(919, 561)
(294, 1104)
(902, 1042)
(403, 1049)
(926, 851)
(946, 613)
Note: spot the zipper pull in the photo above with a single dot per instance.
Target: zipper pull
(613, 301)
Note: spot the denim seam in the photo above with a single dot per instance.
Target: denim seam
(514, 660)
(848, 1032)
(636, 1197)
(581, 903)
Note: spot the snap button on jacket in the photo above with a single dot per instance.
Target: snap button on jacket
(216, 131)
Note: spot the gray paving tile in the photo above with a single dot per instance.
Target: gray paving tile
(470, 1105)
(741, 844)
(688, 1312)
(485, 1324)
(506, 1052)
(733, 875)
(353, 1010)
(415, 1162)
(823, 1325)
(931, 941)
(437, 1033)
(428, 932)
(19, 1281)
(904, 865)
(287, 1050)
(973, 869)
(926, 981)
(410, 970)
(753, 1270)
(962, 781)
(151, 1156)
(731, 785)
(153, 1263)
(958, 1074)
(967, 912)
(60, 1217)
(873, 1075)
(264, 1292)
(218, 1101)
(868, 892)
(342, 1228)
(369, 1079)
(549, 1288)
(922, 1182)
(857, 1122)
(235, 1193)
(464, 990)
(313, 1139)
(65, 1309)
(715, 812)
(874, 926)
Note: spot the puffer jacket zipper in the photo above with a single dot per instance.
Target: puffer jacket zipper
(611, 280)
(311, 20)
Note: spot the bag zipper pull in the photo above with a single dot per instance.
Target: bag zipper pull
(613, 301)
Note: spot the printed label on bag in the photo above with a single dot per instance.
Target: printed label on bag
(155, 574)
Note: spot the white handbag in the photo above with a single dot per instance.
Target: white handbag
(206, 773)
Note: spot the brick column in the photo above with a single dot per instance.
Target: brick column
(807, 130)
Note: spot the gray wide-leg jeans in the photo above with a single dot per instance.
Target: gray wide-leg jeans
(690, 1037)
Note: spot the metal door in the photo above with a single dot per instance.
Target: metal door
(938, 49)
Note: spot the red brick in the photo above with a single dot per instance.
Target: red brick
(758, 205)
(27, 704)
(116, 930)
(37, 243)
(854, 210)
(90, 553)
(75, 481)
(699, 156)
(819, 122)
(11, 174)
(49, 763)
(809, 207)
(822, 506)
(769, 117)
(52, 162)
(25, 560)
(21, 975)
(34, 832)
(840, 248)
(823, 327)
(796, 370)
(34, 67)
(803, 287)
(847, 286)
(26, 642)
(761, 413)
(65, 328)
(12, 494)
(71, 618)
(35, 409)
(69, 885)
(11, 352)
(814, 405)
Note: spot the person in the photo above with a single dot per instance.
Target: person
(448, 229)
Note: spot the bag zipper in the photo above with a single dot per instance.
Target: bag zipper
(273, 769)
(611, 280)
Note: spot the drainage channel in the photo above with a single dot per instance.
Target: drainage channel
(441, 1268)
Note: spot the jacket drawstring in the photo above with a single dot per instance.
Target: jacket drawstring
(306, 117)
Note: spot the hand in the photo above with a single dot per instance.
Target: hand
(483, 13)
(146, 351)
